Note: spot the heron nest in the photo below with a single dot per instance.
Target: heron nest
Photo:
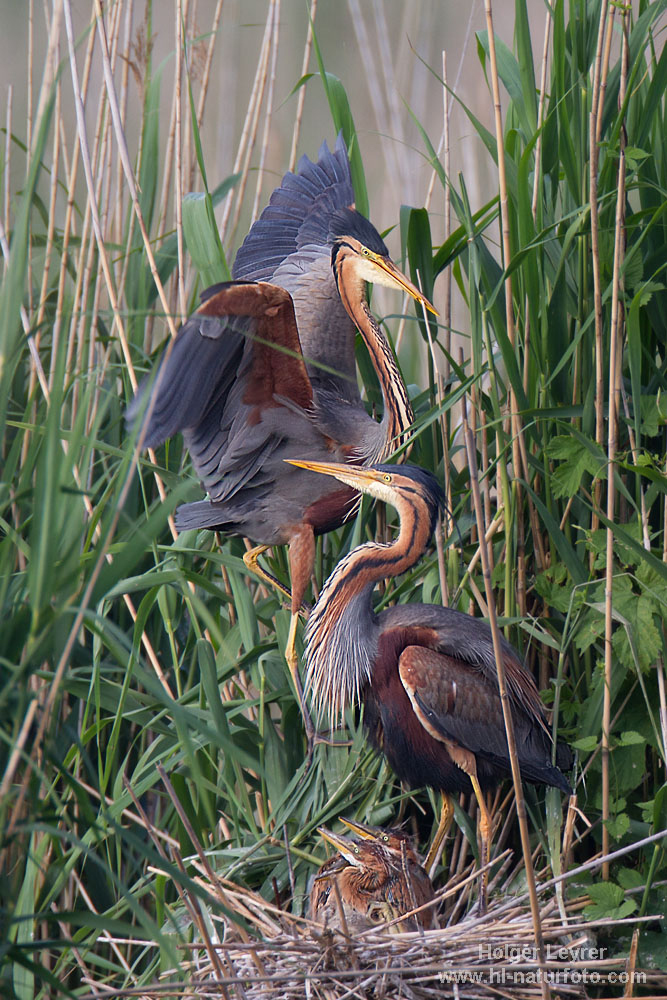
(262, 951)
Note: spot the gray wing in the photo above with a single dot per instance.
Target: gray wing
(461, 653)
(194, 376)
(290, 246)
(233, 364)
(456, 702)
(298, 214)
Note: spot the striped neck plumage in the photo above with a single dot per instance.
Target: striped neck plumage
(398, 413)
(342, 634)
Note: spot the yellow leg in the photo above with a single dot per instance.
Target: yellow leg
(485, 830)
(250, 559)
(446, 817)
(293, 664)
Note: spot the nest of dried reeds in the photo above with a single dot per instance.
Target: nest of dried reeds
(263, 951)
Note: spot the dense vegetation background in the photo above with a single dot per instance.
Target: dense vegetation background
(145, 708)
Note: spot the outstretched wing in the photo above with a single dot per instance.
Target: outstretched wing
(298, 215)
(238, 356)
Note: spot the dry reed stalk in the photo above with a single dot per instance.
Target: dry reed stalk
(444, 519)
(514, 420)
(604, 72)
(615, 359)
(249, 135)
(124, 94)
(6, 200)
(91, 201)
(104, 933)
(268, 116)
(87, 242)
(206, 75)
(375, 88)
(497, 523)
(298, 956)
(594, 153)
(185, 897)
(103, 552)
(91, 207)
(302, 90)
(69, 228)
(101, 157)
(504, 699)
(200, 923)
(241, 151)
(30, 74)
(631, 963)
(447, 294)
(211, 875)
(49, 247)
(660, 668)
(18, 747)
(178, 148)
(127, 168)
(66, 931)
(390, 91)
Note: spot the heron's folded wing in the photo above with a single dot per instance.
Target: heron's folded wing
(455, 701)
(470, 641)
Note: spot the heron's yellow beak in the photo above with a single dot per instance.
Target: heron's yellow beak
(361, 829)
(397, 277)
(326, 468)
(356, 476)
(347, 848)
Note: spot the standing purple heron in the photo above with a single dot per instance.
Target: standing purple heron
(265, 370)
(425, 675)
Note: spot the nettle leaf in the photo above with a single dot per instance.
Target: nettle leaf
(586, 743)
(651, 580)
(555, 588)
(578, 457)
(629, 767)
(591, 628)
(608, 900)
(636, 638)
(629, 878)
(653, 411)
(597, 543)
(630, 738)
(634, 156)
(618, 826)
(639, 637)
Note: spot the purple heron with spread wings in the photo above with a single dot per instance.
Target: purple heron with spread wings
(265, 370)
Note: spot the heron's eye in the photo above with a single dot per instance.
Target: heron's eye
(386, 478)
(365, 251)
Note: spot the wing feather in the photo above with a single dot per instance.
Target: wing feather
(457, 702)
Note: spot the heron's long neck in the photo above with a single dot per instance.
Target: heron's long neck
(398, 414)
(342, 633)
